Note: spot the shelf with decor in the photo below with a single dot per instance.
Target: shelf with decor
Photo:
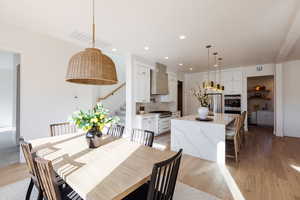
(258, 91)
(260, 97)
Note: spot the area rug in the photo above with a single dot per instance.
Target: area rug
(17, 191)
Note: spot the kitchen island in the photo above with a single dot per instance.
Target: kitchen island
(202, 139)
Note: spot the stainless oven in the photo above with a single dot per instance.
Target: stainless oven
(232, 104)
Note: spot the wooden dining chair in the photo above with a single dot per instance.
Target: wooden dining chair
(62, 128)
(34, 176)
(243, 136)
(116, 131)
(233, 139)
(142, 137)
(162, 182)
(52, 189)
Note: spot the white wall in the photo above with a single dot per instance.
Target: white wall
(7, 89)
(45, 96)
(291, 98)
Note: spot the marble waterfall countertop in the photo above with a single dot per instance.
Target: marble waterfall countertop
(218, 118)
(202, 139)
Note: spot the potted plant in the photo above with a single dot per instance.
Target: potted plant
(93, 121)
(202, 96)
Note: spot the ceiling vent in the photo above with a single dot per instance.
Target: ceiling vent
(86, 38)
(259, 68)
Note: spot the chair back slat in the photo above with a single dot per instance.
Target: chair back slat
(163, 178)
(31, 164)
(144, 137)
(47, 176)
(238, 124)
(243, 117)
(26, 148)
(116, 131)
(62, 128)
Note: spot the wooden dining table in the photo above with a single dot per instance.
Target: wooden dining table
(111, 171)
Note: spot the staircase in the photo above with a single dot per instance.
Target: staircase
(121, 113)
(112, 100)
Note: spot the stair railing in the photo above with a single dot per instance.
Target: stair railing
(112, 92)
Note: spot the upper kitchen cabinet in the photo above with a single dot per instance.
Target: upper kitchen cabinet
(142, 83)
(232, 80)
(172, 88)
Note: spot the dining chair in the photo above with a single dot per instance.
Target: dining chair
(34, 177)
(233, 139)
(52, 189)
(243, 136)
(144, 137)
(116, 131)
(62, 128)
(162, 182)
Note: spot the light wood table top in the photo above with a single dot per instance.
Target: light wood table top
(111, 171)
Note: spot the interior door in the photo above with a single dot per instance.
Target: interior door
(180, 97)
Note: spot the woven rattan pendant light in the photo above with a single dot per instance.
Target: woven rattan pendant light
(91, 66)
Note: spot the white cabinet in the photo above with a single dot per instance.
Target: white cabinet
(265, 118)
(142, 83)
(237, 76)
(147, 122)
(172, 83)
(227, 76)
(262, 118)
(232, 81)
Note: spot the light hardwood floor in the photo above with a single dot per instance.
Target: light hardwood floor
(269, 168)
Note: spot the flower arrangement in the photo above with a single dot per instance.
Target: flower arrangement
(97, 118)
(202, 96)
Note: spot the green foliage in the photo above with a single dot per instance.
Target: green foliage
(97, 117)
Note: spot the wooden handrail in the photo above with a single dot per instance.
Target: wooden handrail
(111, 93)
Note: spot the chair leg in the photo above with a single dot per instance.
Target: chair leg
(236, 147)
(29, 190)
(240, 140)
(244, 137)
(40, 196)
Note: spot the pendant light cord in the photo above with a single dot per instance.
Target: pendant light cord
(94, 27)
(216, 63)
(208, 47)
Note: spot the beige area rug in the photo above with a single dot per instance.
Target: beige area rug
(17, 191)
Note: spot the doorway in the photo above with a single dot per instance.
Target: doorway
(260, 93)
(9, 107)
(180, 97)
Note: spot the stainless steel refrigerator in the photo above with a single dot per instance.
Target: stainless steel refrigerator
(215, 102)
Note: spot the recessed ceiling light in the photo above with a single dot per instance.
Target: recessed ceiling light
(180, 64)
(146, 48)
(191, 69)
(166, 57)
(114, 49)
(182, 37)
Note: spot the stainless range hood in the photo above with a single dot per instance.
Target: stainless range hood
(159, 80)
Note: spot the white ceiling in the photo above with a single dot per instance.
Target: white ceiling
(295, 53)
(245, 32)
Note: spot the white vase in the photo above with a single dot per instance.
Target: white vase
(203, 112)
